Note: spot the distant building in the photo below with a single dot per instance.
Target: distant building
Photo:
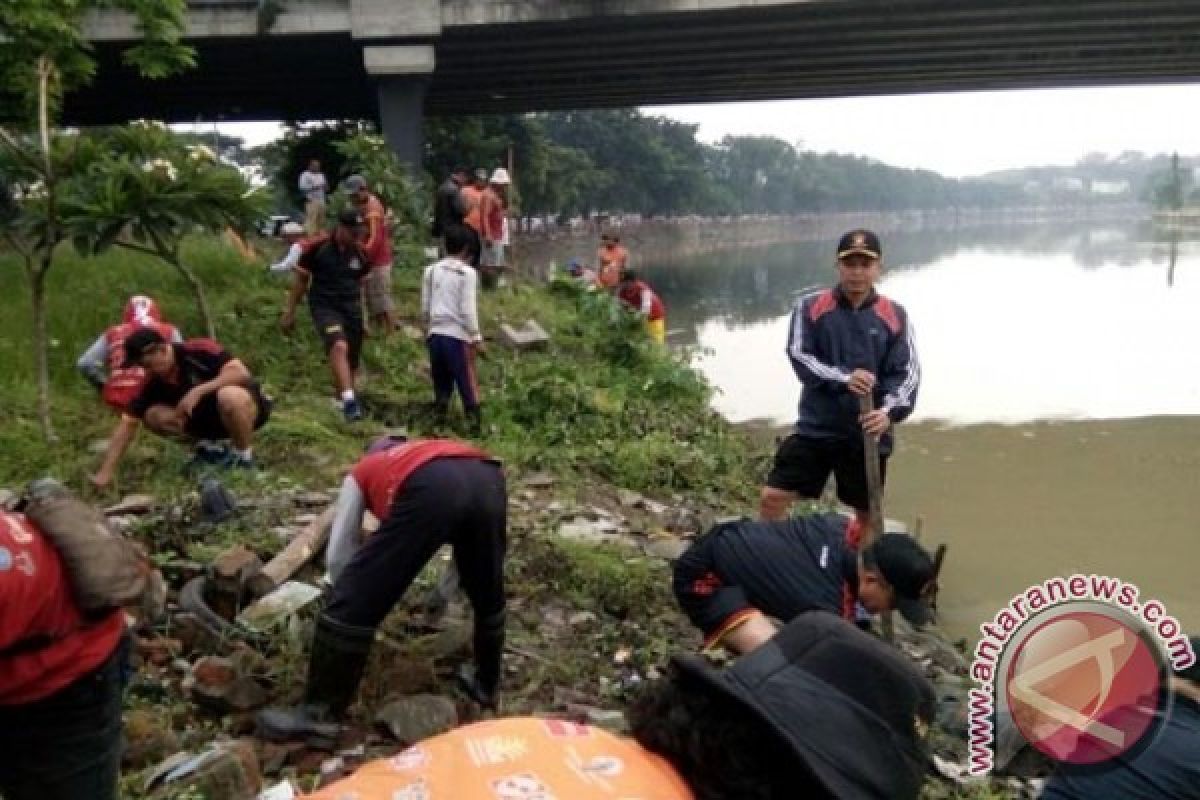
(1110, 188)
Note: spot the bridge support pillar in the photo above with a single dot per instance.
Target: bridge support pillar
(401, 75)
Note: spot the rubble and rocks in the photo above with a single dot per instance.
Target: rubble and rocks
(148, 740)
(269, 610)
(412, 718)
(228, 770)
(217, 684)
(132, 504)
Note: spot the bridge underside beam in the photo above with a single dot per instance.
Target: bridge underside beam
(815, 49)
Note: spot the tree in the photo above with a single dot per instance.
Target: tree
(45, 55)
(147, 189)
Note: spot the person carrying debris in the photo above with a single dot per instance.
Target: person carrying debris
(844, 343)
(331, 271)
(60, 676)
(425, 493)
(636, 295)
(196, 391)
(448, 306)
(1167, 767)
(740, 571)
(103, 366)
(821, 711)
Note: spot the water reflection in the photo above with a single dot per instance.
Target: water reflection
(1011, 324)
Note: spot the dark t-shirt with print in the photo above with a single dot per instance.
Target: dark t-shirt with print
(197, 361)
(335, 273)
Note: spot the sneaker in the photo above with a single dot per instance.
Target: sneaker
(352, 410)
(206, 454)
(233, 461)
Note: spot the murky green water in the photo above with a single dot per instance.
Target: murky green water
(1058, 426)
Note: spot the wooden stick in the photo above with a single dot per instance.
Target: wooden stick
(866, 405)
(874, 479)
(300, 550)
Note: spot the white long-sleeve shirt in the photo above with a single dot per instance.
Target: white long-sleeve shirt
(289, 261)
(346, 531)
(448, 300)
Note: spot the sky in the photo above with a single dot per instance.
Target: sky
(958, 135)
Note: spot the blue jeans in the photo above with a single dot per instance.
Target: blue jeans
(66, 746)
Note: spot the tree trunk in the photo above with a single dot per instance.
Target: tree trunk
(37, 294)
(197, 288)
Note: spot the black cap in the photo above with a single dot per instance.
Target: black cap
(908, 569)
(138, 343)
(853, 709)
(859, 241)
(351, 217)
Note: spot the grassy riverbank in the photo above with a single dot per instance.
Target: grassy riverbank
(599, 404)
(599, 411)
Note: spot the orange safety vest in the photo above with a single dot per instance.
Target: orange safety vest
(519, 758)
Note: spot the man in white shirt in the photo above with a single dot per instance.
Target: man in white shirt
(448, 304)
(292, 234)
(314, 186)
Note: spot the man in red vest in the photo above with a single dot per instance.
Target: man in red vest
(425, 493)
(60, 677)
(103, 365)
(637, 296)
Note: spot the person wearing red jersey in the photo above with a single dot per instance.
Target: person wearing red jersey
(377, 284)
(636, 295)
(103, 365)
(60, 677)
(425, 493)
(197, 391)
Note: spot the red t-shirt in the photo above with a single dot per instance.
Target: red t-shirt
(125, 383)
(631, 293)
(36, 604)
(379, 246)
(381, 475)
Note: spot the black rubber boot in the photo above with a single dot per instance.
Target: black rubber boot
(339, 657)
(483, 685)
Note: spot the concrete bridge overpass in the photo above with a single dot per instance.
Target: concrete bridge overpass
(395, 59)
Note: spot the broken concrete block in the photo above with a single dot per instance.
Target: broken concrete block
(226, 771)
(228, 575)
(529, 336)
(416, 717)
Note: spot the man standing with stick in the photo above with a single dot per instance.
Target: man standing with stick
(845, 344)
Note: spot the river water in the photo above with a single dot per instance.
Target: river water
(1056, 428)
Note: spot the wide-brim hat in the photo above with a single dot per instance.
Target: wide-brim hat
(853, 709)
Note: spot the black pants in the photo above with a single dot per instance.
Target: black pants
(460, 501)
(66, 746)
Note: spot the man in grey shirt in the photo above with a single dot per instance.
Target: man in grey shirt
(314, 186)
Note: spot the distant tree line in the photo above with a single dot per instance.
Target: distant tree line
(623, 160)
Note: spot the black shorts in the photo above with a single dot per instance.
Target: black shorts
(803, 464)
(335, 325)
(205, 422)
